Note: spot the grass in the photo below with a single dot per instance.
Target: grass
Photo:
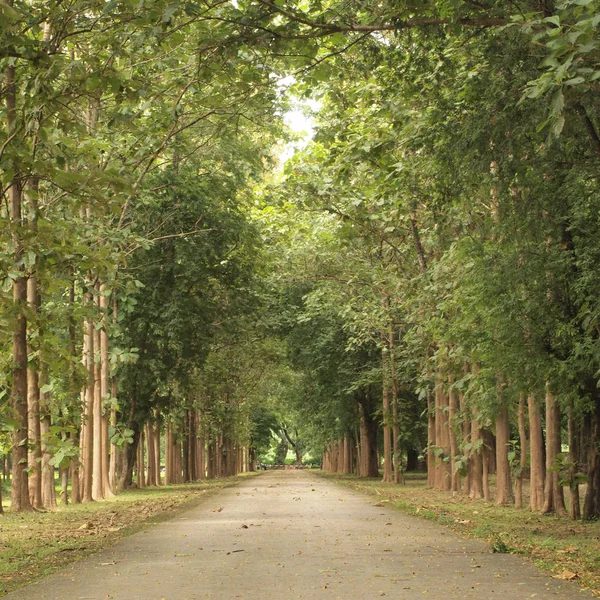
(568, 549)
(35, 544)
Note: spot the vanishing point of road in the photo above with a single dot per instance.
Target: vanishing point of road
(289, 534)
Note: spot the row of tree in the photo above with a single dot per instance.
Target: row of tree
(429, 260)
(131, 140)
(446, 259)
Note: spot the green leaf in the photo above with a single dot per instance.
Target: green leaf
(554, 20)
(574, 81)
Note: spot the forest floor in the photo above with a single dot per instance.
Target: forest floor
(569, 550)
(292, 534)
(35, 544)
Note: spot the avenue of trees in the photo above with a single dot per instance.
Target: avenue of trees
(419, 286)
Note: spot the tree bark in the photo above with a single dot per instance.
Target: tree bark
(475, 461)
(431, 439)
(537, 470)
(202, 449)
(33, 402)
(591, 507)
(19, 492)
(97, 446)
(75, 397)
(443, 480)
(396, 441)
(574, 500)
(504, 493)
(47, 471)
(87, 437)
(104, 394)
(522, 454)
(151, 456)
(466, 436)
(553, 492)
(452, 417)
(368, 427)
(485, 455)
(348, 454)
(141, 459)
(387, 420)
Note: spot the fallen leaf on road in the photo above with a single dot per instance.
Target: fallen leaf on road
(566, 575)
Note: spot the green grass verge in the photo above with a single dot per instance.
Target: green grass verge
(568, 549)
(35, 544)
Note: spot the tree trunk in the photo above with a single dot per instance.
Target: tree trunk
(129, 453)
(104, 394)
(202, 450)
(504, 493)
(452, 418)
(443, 479)
(475, 461)
(591, 507)
(19, 491)
(210, 466)
(87, 449)
(334, 457)
(33, 402)
(431, 440)
(177, 462)
(97, 489)
(75, 487)
(574, 500)
(522, 455)
(348, 454)
(64, 486)
(368, 434)
(169, 454)
(466, 437)
(74, 396)
(115, 451)
(553, 492)
(150, 457)
(387, 419)
(537, 471)
(47, 471)
(485, 455)
(19, 480)
(396, 441)
(156, 434)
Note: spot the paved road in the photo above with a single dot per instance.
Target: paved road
(288, 535)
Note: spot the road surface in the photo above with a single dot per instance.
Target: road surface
(288, 535)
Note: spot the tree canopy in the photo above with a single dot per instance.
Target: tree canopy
(416, 286)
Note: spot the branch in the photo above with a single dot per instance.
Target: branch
(591, 128)
(287, 435)
(418, 244)
(330, 28)
(183, 234)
